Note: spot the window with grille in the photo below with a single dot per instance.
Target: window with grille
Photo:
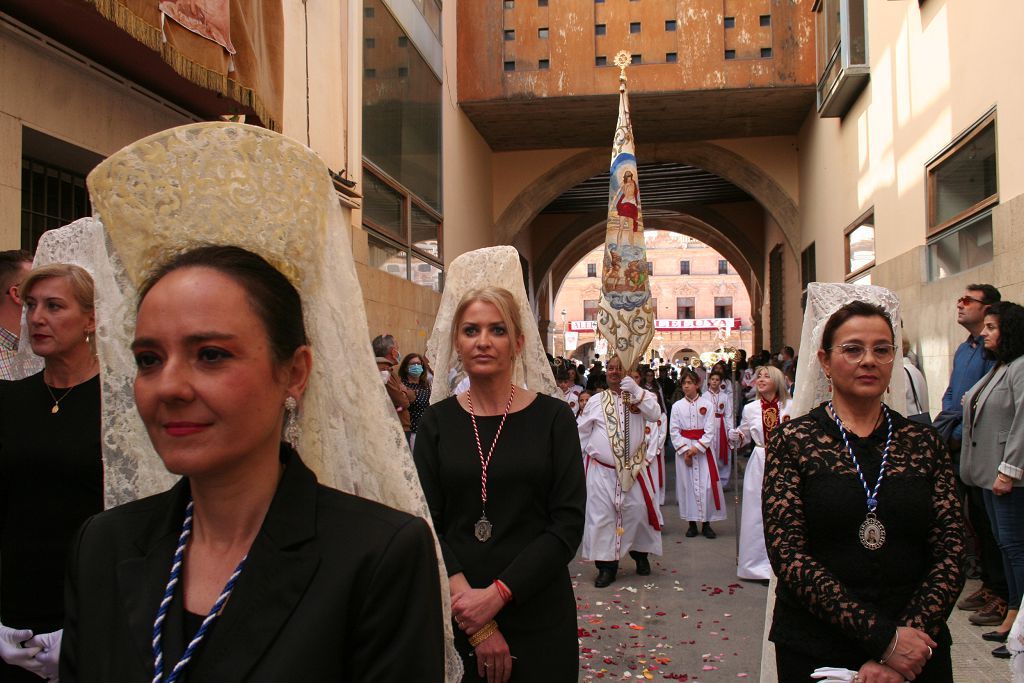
(723, 267)
(686, 309)
(723, 306)
(50, 197)
(684, 267)
(590, 309)
(591, 270)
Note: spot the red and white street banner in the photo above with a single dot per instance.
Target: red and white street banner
(669, 324)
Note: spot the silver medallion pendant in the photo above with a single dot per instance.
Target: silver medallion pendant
(872, 533)
(482, 529)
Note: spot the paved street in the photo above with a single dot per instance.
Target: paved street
(693, 620)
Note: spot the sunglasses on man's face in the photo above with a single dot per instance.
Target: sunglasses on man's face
(968, 300)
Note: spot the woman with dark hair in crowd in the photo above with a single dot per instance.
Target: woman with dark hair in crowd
(51, 472)
(412, 372)
(862, 522)
(992, 456)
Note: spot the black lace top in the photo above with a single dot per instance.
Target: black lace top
(835, 596)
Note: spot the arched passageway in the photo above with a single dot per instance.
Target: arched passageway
(742, 232)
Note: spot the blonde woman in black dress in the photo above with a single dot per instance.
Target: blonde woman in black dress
(501, 469)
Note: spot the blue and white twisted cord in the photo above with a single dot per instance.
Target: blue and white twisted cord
(161, 614)
(871, 493)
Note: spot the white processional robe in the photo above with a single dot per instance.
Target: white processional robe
(656, 432)
(572, 397)
(698, 488)
(753, 558)
(716, 431)
(618, 521)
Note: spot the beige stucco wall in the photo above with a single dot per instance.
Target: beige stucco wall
(933, 74)
(49, 92)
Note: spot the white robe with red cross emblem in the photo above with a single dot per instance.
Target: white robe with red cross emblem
(698, 487)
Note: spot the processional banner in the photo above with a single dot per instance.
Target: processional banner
(625, 313)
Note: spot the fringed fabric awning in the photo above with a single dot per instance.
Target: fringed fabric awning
(253, 77)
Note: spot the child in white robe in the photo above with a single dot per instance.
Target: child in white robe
(698, 488)
(722, 420)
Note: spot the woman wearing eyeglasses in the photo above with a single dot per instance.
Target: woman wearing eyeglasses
(862, 524)
(992, 455)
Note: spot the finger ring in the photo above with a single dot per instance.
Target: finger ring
(486, 664)
(929, 653)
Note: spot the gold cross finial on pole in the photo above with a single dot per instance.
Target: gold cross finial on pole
(622, 60)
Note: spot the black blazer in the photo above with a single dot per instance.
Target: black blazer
(336, 588)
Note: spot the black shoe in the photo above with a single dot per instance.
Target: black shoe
(692, 531)
(996, 636)
(708, 531)
(1001, 652)
(643, 566)
(604, 578)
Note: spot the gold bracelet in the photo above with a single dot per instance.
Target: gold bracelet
(485, 632)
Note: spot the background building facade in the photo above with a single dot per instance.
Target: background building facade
(695, 290)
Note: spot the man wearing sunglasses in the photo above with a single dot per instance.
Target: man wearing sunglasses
(970, 365)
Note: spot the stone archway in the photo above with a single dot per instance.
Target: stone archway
(725, 163)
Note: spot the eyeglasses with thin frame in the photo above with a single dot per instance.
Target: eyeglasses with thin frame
(854, 353)
(968, 300)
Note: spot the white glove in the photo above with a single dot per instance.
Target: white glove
(828, 674)
(630, 386)
(14, 654)
(49, 653)
(735, 438)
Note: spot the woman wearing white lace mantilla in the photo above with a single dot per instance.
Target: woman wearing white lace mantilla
(51, 471)
(500, 466)
(247, 568)
(862, 522)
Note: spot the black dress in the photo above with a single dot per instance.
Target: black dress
(536, 499)
(51, 480)
(838, 603)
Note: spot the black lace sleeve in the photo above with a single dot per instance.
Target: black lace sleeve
(933, 600)
(785, 527)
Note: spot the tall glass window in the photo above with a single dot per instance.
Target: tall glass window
(962, 189)
(401, 150)
(401, 108)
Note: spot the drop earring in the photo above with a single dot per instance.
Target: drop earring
(828, 378)
(292, 431)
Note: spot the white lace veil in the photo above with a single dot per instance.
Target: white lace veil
(225, 183)
(824, 299)
(489, 267)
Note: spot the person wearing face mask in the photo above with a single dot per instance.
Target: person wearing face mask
(412, 373)
(385, 349)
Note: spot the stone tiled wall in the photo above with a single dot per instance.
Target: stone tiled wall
(929, 308)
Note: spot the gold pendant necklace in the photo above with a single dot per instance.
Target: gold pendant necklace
(56, 401)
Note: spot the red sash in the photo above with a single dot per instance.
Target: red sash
(652, 515)
(696, 434)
